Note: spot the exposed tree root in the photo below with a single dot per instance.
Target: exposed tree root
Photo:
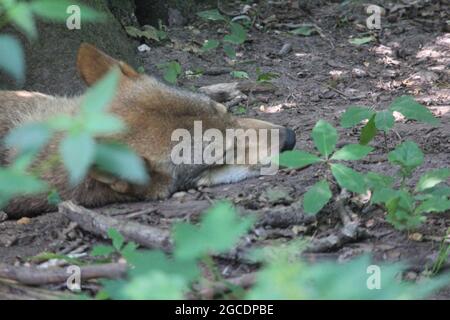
(99, 224)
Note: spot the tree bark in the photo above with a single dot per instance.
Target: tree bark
(51, 59)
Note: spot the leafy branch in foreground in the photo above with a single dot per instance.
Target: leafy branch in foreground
(78, 149)
(384, 120)
(156, 275)
(405, 206)
(325, 138)
(22, 15)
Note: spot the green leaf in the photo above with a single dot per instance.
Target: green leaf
(239, 74)
(293, 280)
(102, 250)
(172, 70)
(376, 181)
(153, 276)
(156, 284)
(57, 10)
(438, 192)
(46, 256)
(384, 120)
(354, 115)
(13, 182)
(117, 239)
(264, 77)
(214, 15)
(145, 261)
(12, 59)
(61, 122)
(325, 138)
(348, 178)
(229, 51)
(121, 161)
(317, 197)
(101, 124)
(238, 34)
(210, 45)
(361, 41)
(53, 197)
(304, 31)
(434, 205)
(368, 132)
(22, 17)
(407, 155)
(297, 159)
(352, 152)
(29, 137)
(413, 110)
(151, 33)
(128, 249)
(78, 154)
(218, 232)
(100, 96)
(383, 195)
(432, 178)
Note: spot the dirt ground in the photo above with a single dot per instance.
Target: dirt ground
(320, 77)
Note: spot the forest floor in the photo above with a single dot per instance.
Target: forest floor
(320, 77)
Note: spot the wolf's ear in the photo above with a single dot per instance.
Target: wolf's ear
(93, 64)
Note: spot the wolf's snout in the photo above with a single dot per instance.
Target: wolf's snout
(288, 139)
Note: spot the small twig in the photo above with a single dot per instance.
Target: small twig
(219, 288)
(99, 224)
(335, 90)
(35, 276)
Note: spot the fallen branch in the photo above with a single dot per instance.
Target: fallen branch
(99, 224)
(35, 276)
(284, 217)
(12, 290)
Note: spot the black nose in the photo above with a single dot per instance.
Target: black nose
(289, 139)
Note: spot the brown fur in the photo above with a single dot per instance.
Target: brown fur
(151, 111)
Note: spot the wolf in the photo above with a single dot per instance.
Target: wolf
(151, 111)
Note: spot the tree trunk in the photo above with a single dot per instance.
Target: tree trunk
(51, 59)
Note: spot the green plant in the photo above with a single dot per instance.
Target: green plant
(118, 246)
(156, 275)
(325, 138)
(148, 32)
(265, 77)
(237, 34)
(171, 71)
(306, 30)
(240, 74)
(384, 120)
(361, 41)
(444, 252)
(406, 206)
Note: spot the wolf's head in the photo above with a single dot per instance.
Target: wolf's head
(186, 139)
